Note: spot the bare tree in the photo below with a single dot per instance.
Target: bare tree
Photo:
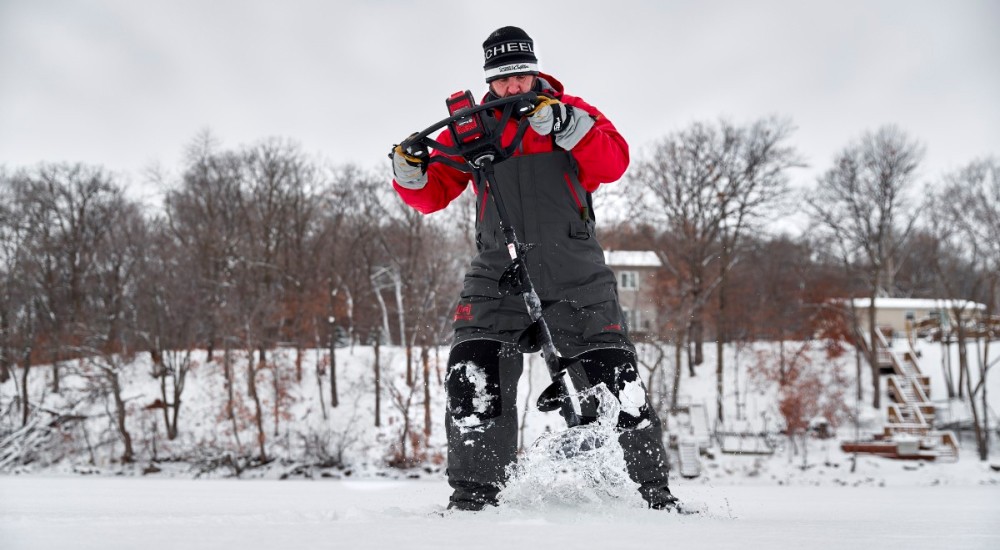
(169, 309)
(108, 338)
(18, 310)
(862, 201)
(706, 186)
(965, 217)
(65, 206)
(202, 220)
(341, 237)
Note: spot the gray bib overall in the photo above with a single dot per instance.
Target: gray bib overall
(550, 209)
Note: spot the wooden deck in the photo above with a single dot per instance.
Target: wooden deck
(909, 432)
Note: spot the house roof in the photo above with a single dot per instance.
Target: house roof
(916, 303)
(632, 258)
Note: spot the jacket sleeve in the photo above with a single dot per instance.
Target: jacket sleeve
(602, 155)
(444, 184)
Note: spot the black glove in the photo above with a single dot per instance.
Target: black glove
(410, 169)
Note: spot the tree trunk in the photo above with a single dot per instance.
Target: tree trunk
(178, 378)
(719, 385)
(378, 382)
(963, 358)
(437, 365)
(166, 402)
(857, 369)
(128, 455)
(782, 367)
(385, 315)
(298, 361)
(319, 379)
(426, 360)
(403, 436)
(980, 436)
(949, 384)
(409, 361)
(720, 339)
(873, 353)
(334, 401)
(984, 370)
(55, 357)
(697, 335)
(25, 402)
(227, 369)
(276, 388)
(252, 390)
(689, 337)
(675, 394)
(6, 351)
(397, 283)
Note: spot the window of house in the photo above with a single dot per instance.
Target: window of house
(633, 318)
(628, 280)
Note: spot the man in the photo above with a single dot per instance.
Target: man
(569, 150)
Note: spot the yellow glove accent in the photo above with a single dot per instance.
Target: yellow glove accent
(410, 159)
(544, 100)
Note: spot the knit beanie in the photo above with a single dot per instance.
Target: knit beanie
(509, 51)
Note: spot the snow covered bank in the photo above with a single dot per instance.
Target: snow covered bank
(305, 437)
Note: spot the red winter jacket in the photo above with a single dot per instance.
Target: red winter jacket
(601, 156)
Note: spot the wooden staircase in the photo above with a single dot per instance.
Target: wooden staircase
(909, 431)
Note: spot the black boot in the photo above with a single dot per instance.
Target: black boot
(660, 498)
(470, 497)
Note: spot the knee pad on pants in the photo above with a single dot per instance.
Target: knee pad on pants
(473, 384)
(617, 370)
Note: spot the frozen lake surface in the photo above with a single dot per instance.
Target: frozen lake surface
(39, 513)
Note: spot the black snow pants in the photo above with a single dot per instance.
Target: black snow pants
(482, 423)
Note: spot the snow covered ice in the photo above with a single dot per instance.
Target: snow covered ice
(568, 491)
(104, 513)
(746, 502)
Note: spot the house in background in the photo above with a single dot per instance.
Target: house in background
(902, 316)
(636, 271)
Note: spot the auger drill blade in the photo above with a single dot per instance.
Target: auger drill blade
(552, 398)
(557, 394)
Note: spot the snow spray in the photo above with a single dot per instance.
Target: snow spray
(580, 466)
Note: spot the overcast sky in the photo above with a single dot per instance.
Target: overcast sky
(128, 83)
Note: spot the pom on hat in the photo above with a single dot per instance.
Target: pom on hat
(509, 51)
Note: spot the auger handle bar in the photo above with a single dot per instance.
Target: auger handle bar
(419, 145)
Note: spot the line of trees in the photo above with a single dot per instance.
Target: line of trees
(253, 249)
(700, 196)
(262, 246)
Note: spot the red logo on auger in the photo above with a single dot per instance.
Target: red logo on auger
(463, 312)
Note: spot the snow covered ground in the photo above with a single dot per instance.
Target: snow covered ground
(779, 501)
(39, 513)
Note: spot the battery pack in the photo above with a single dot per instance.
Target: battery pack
(465, 129)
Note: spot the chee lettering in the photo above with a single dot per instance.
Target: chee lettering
(508, 48)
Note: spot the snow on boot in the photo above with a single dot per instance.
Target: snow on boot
(473, 498)
(660, 498)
